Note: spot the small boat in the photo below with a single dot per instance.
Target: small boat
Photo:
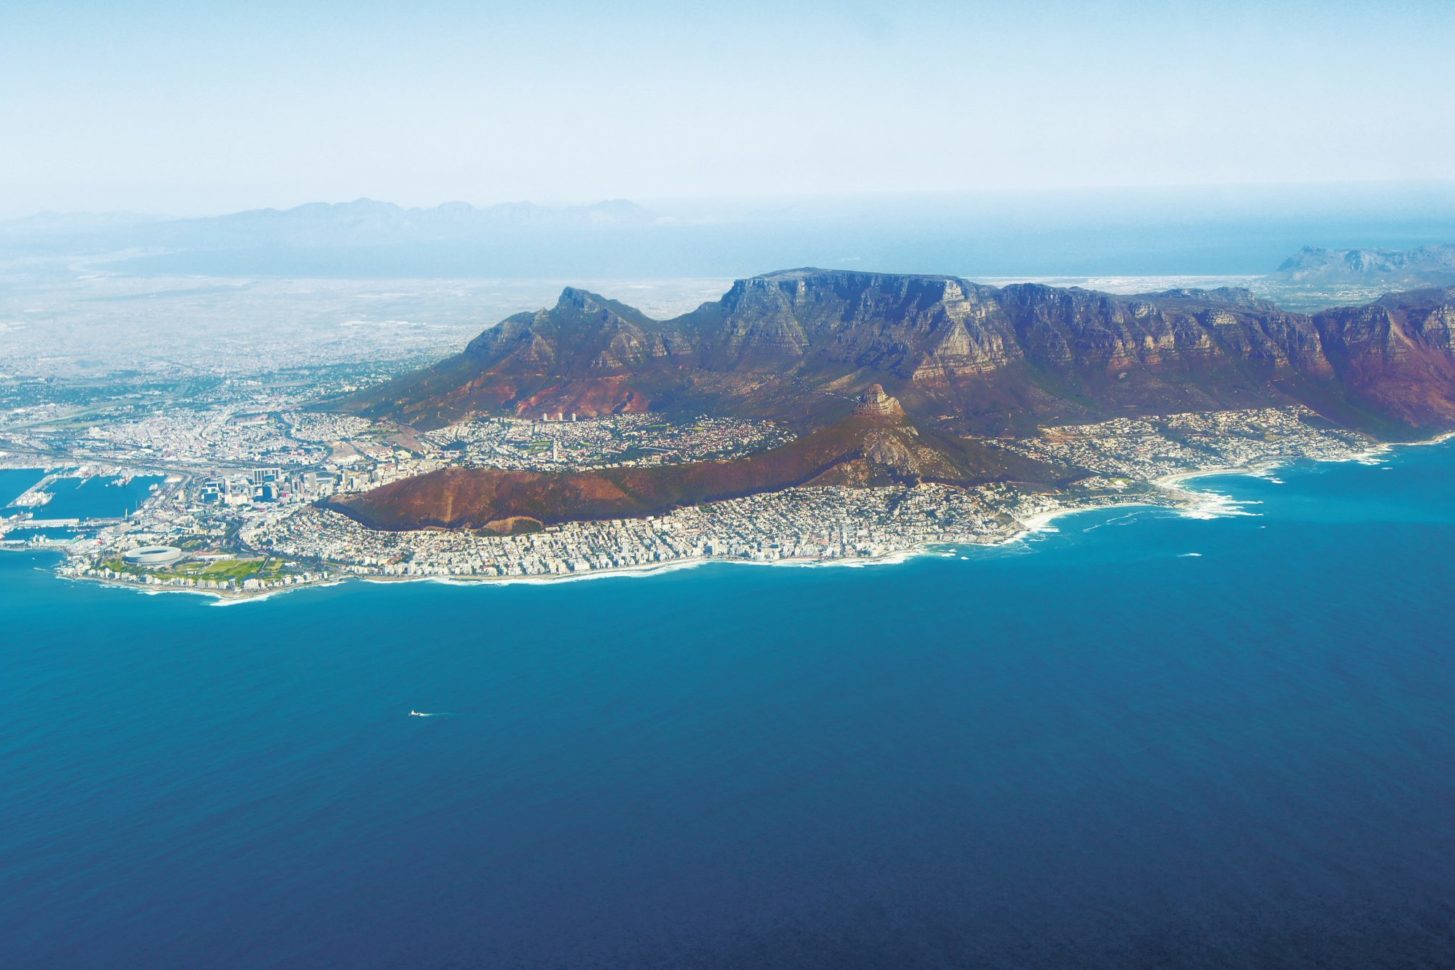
(414, 713)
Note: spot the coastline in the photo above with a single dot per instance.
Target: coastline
(1040, 522)
(1178, 498)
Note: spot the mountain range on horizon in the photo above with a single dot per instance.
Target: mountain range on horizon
(360, 222)
(1432, 265)
(989, 236)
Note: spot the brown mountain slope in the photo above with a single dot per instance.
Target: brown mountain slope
(1396, 357)
(875, 445)
(963, 358)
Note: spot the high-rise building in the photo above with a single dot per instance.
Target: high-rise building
(214, 490)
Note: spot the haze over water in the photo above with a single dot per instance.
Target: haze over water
(1091, 750)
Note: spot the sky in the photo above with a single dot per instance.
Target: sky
(183, 108)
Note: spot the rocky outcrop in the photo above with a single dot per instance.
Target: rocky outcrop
(874, 402)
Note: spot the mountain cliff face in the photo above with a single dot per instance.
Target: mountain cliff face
(960, 357)
(1396, 357)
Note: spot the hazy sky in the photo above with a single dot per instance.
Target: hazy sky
(187, 107)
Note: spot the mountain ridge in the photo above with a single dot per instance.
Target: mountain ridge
(876, 444)
(962, 357)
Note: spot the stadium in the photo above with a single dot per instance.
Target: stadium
(151, 556)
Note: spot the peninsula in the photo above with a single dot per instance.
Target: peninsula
(806, 416)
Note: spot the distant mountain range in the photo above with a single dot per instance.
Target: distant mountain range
(960, 361)
(1391, 269)
(618, 239)
(316, 225)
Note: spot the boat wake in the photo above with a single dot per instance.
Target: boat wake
(1126, 518)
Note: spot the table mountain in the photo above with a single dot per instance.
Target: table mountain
(961, 358)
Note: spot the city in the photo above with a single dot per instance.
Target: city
(238, 476)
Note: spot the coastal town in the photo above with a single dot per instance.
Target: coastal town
(232, 506)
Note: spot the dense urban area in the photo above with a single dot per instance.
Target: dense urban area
(237, 466)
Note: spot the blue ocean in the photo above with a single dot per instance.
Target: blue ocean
(97, 497)
(1091, 749)
(14, 482)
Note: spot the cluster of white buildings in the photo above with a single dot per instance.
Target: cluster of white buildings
(622, 439)
(796, 524)
(1145, 449)
(228, 435)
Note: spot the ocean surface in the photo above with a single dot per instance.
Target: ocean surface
(15, 481)
(101, 496)
(97, 497)
(1091, 749)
